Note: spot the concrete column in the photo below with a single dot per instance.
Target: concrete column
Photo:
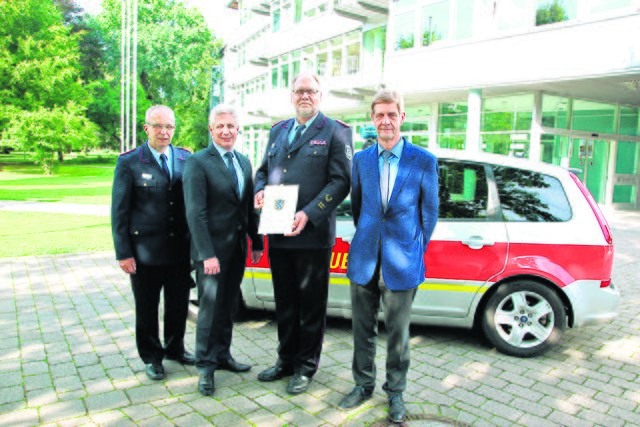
(535, 148)
(473, 120)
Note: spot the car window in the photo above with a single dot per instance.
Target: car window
(463, 190)
(530, 196)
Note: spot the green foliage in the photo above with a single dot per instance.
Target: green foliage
(404, 42)
(43, 98)
(429, 37)
(551, 12)
(47, 131)
(176, 51)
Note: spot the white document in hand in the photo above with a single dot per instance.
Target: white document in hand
(279, 209)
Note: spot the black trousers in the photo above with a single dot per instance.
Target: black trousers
(301, 289)
(218, 300)
(147, 284)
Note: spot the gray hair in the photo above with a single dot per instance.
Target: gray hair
(155, 108)
(222, 109)
(388, 96)
(314, 76)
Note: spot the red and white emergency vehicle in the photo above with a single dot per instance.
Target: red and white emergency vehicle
(521, 251)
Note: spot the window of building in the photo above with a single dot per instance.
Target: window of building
(511, 14)
(463, 191)
(435, 22)
(600, 6)
(554, 149)
(629, 121)
(275, 21)
(594, 116)
(452, 125)
(464, 19)
(505, 124)
(404, 28)
(556, 112)
(530, 196)
(627, 159)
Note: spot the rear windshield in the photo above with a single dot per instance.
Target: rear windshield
(530, 196)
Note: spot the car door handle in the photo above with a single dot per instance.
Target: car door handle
(477, 242)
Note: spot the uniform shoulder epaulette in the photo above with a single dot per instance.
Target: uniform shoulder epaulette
(188, 150)
(127, 152)
(276, 124)
(342, 123)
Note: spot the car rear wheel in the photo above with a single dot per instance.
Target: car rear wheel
(524, 319)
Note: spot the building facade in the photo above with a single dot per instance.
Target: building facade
(551, 80)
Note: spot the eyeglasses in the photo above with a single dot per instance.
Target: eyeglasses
(310, 92)
(159, 128)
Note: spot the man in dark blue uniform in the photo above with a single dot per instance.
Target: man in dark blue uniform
(314, 152)
(151, 239)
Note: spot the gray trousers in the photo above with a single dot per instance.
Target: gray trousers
(365, 303)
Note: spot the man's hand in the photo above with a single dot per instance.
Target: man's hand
(258, 200)
(128, 265)
(299, 222)
(211, 266)
(256, 256)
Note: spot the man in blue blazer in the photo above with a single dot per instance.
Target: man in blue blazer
(394, 199)
(218, 189)
(151, 239)
(314, 152)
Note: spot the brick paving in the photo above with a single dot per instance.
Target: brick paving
(68, 358)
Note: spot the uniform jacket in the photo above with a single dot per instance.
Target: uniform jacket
(219, 219)
(320, 163)
(148, 219)
(403, 231)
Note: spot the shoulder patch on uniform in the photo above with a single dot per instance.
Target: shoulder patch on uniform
(276, 124)
(342, 123)
(127, 152)
(348, 152)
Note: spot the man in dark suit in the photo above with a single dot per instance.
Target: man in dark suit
(394, 199)
(315, 152)
(218, 189)
(151, 239)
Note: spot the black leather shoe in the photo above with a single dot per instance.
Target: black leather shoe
(206, 384)
(397, 411)
(233, 366)
(356, 398)
(185, 359)
(274, 373)
(155, 371)
(298, 384)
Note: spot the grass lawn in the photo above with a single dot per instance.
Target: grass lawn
(33, 233)
(85, 180)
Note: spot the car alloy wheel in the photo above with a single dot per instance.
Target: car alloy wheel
(524, 318)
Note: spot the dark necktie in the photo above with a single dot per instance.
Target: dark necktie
(384, 179)
(296, 137)
(232, 170)
(165, 168)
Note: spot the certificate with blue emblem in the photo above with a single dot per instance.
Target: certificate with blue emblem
(279, 209)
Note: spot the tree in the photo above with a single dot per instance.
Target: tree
(40, 85)
(176, 51)
(551, 12)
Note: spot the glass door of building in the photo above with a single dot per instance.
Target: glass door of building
(591, 157)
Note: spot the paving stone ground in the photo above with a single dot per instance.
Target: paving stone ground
(68, 358)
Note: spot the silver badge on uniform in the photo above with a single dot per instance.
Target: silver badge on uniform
(147, 176)
(347, 151)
